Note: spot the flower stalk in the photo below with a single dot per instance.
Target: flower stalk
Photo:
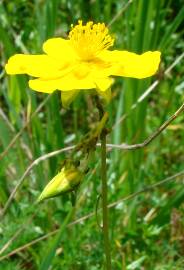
(105, 227)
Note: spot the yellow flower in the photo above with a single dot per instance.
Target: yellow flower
(68, 179)
(81, 62)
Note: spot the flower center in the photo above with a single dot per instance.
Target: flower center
(90, 39)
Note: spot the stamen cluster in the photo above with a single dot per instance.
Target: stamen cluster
(90, 39)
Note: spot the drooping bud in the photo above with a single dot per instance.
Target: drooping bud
(65, 181)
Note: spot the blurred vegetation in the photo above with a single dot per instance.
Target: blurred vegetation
(147, 231)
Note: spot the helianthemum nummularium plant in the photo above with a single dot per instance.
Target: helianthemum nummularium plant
(82, 61)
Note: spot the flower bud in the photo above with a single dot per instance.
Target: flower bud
(65, 181)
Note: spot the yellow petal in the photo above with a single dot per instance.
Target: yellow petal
(41, 85)
(59, 48)
(67, 97)
(102, 84)
(34, 65)
(127, 64)
(65, 83)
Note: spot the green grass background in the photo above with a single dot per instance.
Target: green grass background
(147, 232)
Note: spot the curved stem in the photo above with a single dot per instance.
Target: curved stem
(105, 227)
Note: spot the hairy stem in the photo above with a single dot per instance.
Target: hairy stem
(105, 226)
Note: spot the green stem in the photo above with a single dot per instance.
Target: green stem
(105, 227)
(101, 125)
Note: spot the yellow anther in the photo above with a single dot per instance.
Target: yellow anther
(90, 39)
